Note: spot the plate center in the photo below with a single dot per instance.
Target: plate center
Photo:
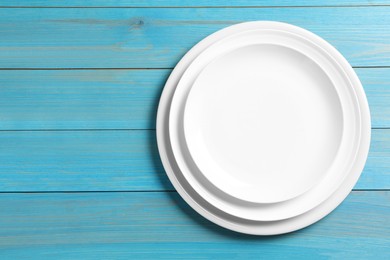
(263, 123)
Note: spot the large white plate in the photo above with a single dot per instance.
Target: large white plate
(202, 203)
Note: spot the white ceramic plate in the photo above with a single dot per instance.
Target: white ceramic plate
(332, 100)
(263, 123)
(225, 201)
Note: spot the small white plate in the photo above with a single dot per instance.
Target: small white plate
(207, 124)
(263, 123)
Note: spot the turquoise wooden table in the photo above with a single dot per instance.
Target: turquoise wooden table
(80, 175)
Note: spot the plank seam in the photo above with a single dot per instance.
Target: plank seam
(197, 7)
(143, 191)
(87, 68)
(77, 130)
(168, 68)
(109, 129)
(92, 191)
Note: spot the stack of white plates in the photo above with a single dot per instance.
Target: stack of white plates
(263, 128)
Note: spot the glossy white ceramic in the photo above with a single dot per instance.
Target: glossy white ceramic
(268, 87)
(263, 123)
(226, 201)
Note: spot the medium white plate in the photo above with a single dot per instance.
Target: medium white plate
(200, 202)
(225, 201)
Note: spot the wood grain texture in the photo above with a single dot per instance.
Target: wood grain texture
(118, 161)
(161, 225)
(48, 179)
(118, 99)
(80, 99)
(80, 161)
(188, 3)
(158, 37)
(376, 83)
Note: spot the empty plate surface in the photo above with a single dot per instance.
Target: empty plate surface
(263, 123)
(263, 128)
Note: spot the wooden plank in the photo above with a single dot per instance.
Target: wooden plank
(80, 99)
(118, 161)
(187, 3)
(376, 83)
(117, 99)
(80, 161)
(158, 37)
(161, 225)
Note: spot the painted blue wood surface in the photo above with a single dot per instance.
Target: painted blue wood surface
(80, 99)
(118, 161)
(188, 3)
(161, 225)
(67, 130)
(118, 99)
(158, 37)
